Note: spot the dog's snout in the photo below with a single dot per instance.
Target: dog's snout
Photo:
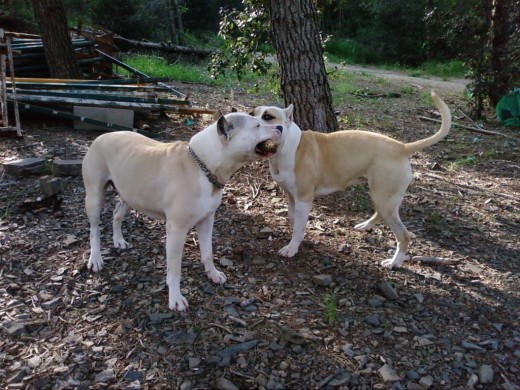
(279, 128)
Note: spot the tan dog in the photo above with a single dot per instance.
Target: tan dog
(309, 164)
(179, 182)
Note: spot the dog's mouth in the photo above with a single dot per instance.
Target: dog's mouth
(267, 148)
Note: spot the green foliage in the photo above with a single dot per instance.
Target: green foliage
(330, 302)
(508, 109)
(350, 51)
(155, 66)
(244, 34)
(447, 69)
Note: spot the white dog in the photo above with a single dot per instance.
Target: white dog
(180, 182)
(310, 163)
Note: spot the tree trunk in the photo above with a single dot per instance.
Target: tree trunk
(51, 19)
(304, 80)
(500, 32)
(180, 27)
(171, 23)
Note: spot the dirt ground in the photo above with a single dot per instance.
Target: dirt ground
(329, 318)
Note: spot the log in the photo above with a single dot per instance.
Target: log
(126, 44)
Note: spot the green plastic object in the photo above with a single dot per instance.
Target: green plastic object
(508, 109)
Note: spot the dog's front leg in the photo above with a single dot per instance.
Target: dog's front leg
(205, 233)
(301, 216)
(290, 209)
(175, 237)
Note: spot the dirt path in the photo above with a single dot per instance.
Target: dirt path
(453, 85)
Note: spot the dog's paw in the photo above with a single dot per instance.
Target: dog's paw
(217, 276)
(395, 262)
(121, 243)
(288, 251)
(95, 263)
(177, 302)
(364, 226)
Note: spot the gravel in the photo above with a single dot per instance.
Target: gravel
(323, 319)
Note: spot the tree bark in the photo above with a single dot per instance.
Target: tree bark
(500, 31)
(51, 19)
(180, 26)
(304, 80)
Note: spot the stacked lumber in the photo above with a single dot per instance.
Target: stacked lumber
(35, 91)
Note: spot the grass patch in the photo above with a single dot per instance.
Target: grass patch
(330, 302)
(461, 162)
(450, 69)
(156, 66)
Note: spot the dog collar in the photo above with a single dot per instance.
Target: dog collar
(211, 176)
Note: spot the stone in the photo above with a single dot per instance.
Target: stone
(413, 375)
(26, 166)
(133, 375)
(18, 376)
(374, 302)
(67, 167)
(373, 319)
(340, 380)
(225, 384)
(388, 374)
(426, 381)
(472, 381)
(226, 262)
(419, 297)
(14, 329)
(51, 303)
(322, 280)
(34, 361)
(258, 260)
(181, 338)
(51, 185)
(485, 373)
(105, 376)
(265, 233)
(387, 290)
(471, 346)
(157, 318)
(194, 363)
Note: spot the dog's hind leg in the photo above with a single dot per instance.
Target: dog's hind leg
(119, 214)
(205, 233)
(387, 192)
(94, 201)
(369, 223)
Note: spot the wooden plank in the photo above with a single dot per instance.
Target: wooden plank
(99, 96)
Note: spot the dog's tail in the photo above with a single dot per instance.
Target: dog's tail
(416, 146)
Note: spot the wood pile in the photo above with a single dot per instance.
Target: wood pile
(35, 91)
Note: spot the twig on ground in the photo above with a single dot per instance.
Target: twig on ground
(435, 260)
(474, 129)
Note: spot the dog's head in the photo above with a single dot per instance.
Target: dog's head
(244, 135)
(271, 115)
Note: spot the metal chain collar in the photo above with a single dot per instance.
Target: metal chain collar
(211, 176)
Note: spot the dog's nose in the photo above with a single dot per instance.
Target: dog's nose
(279, 128)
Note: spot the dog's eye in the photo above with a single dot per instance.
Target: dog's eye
(267, 117)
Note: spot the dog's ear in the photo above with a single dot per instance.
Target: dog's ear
(224, 127)
(289, 115)
(217, 115)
